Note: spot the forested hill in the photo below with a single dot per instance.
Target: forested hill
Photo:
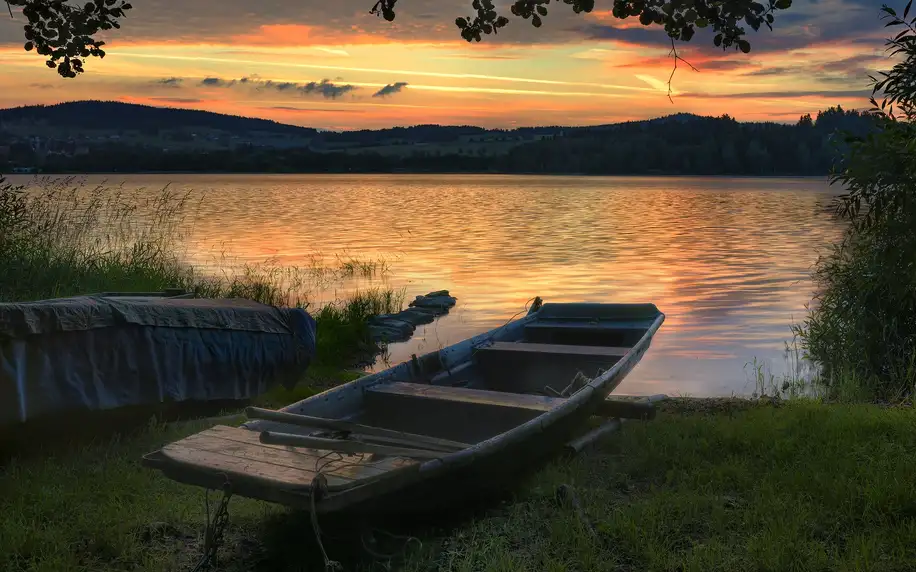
(84, 117)
(700, 145)
(115, 137)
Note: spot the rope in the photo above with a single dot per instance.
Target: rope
(368, 538)
(213, 533)
(320, 487)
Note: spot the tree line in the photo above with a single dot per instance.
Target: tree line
(686, 145)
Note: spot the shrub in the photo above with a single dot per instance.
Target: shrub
(862, 325)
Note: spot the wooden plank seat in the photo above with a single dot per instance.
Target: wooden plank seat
(627, 407)
(583, 332)
(589, 325)
(530, 367)
(553, 350)
(428, 394)
(470, 415)
(457, 413)
(276, 473)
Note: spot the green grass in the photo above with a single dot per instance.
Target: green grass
(707, 485)
(799, 486)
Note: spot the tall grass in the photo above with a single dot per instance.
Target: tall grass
(61, 237)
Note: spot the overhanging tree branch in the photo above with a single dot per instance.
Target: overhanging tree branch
(66, 33)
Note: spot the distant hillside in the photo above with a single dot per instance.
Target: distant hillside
(117, 137)
(114, 115)
(91, 117)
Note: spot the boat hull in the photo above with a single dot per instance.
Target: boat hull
(507, 430)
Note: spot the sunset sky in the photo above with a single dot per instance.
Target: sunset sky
(330, 64)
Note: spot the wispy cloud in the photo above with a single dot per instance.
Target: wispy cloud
(312, 110)
(390, 89)
(216, 82)
(170, 81)
(786, 94)
(465, 76)
(326, 88)
(656, 83)
(333, 51)
(177, 99)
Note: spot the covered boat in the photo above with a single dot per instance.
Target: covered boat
(108, 351)
(429, 431)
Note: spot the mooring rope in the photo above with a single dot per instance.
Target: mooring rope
(367, 537)
(320, 487)
(213, 533)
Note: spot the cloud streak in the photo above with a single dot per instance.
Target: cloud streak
(216, 82)
(325, 88)
(390, 89)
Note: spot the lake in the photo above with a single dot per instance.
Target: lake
(726, 259)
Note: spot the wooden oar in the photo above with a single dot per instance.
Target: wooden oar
(421, 441)
(346, 446)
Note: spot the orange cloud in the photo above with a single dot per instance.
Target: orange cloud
(291, 35)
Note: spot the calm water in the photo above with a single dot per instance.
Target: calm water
(727, 260)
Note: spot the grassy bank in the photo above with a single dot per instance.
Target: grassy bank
(62, 237)
(722, 486)
(708, 485)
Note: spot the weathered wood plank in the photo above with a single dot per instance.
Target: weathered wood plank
(211, 454)
(232, 450)
(353, 468)
(397, 437)
(348, 446)
(555, 349)
(459, 395)
(590, 326)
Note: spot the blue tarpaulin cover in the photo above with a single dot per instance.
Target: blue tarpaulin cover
(99, 352)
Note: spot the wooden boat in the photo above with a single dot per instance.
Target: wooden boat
(460, 421)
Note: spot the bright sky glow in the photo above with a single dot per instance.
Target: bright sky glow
(299, 56)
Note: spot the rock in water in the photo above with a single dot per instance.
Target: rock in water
(388, 328)
(438, 299)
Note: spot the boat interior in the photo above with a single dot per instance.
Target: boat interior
(388, 423)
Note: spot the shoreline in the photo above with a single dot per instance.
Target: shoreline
(414, 173)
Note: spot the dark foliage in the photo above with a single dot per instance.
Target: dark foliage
(701, 146)
(94, 115)
(680, 18)
(66, 33)
(862, 329)
(678, 145)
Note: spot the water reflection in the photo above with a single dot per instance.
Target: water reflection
(726, 259)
